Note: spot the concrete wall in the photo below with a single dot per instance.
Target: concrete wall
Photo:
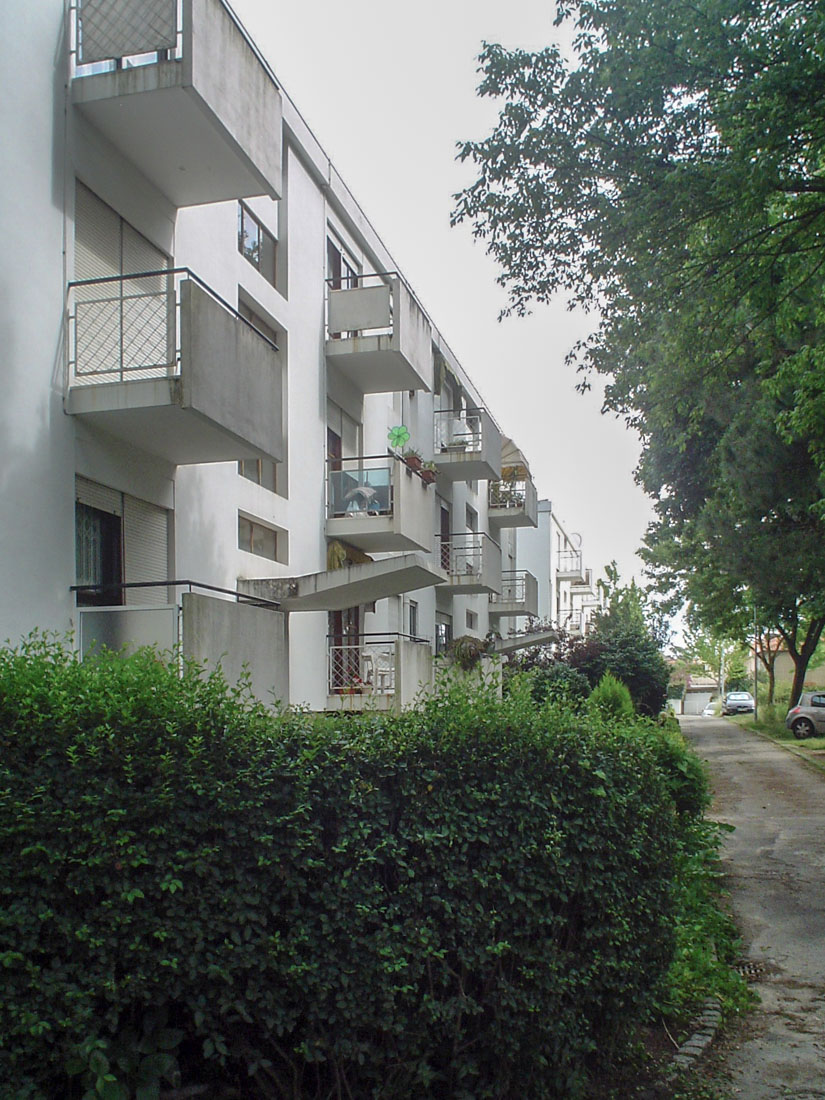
(238, 638)
(229, 373)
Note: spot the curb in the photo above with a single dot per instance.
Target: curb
(694, 1047)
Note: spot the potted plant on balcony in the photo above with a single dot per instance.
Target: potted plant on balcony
(428, 472)
(413, 458)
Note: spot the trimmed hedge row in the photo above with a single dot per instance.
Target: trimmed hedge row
(471, 900)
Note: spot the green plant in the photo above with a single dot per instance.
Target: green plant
(466, 651)
(611, 698)
(470, 899)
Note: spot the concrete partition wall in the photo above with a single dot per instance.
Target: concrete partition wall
(229, 373)
(237, 636)
(231, 80)
(412, 333)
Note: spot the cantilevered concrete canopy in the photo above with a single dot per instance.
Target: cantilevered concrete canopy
(337, 589)
(526, 641)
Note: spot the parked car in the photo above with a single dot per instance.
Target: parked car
(738, 702)
(807, 718)
(709, 711)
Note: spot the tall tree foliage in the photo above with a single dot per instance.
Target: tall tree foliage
(673, 178)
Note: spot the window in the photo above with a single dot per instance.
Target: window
(341, 270)
(255, 538)
(413, 618)
(261, 471)
(98, 555)
(472, 620)
(443, 631)
(471, 517)
(256, 243)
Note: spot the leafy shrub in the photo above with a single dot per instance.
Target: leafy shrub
(611, 698)
(467, 901)
(560, 684)
(632, 656)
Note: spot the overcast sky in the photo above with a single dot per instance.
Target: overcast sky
(388, 90)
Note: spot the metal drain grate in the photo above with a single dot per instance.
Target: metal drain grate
(751, 971)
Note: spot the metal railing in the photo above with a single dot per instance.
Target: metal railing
(462, 555)
(364, 664)
(123, 586)
(457, 431)
(360, 486)
(127, 327)
(570, 561)
(569, 619)
(117, 36)
(507, 493)
(513, 587)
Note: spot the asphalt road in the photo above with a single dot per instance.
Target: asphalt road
(775, 869)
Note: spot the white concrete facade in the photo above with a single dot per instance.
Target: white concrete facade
(183, 433)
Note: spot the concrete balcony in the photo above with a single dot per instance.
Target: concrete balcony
(379, 504)
(379, 336)
(570, 620)
(160, 362)
(472, 563)
(376, 671)
(183, 93)
(519, 595)
(512, 502)
(569, 567)
(213, 629)
(467, 445)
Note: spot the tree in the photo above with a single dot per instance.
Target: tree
(672, 177)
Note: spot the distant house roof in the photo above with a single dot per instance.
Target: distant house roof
(701, 683)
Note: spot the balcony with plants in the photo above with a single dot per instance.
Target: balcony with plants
(379, 503)
(512, 501)
(467, 445)
(376, 671)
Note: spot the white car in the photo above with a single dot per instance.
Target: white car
(709, 711)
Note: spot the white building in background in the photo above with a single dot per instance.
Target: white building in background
(212, 371)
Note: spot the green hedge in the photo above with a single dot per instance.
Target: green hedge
(472, 900)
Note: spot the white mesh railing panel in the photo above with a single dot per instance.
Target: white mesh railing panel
(110, 29)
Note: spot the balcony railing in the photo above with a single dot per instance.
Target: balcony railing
(472, 562)
(138, 329)
(378, 503)
(513, 502)
(170, 84)
(569, 566)
(467, 445)
(211, 625)
(518, 596)
(378, 335)
(569, 619)
(383, 670)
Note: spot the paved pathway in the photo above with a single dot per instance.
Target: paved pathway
(775, 863)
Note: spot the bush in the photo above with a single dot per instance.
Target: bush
(632, 656)
(466, 901)
(560, 684)
(611, 698)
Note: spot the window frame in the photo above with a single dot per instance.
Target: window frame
(255, 256)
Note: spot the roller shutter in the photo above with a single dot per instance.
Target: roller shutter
(146, 549)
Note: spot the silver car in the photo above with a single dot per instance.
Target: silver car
(738, 702)
(807, 718)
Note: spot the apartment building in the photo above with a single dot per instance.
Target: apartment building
(220, 390)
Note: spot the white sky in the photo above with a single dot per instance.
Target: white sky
(388, 90)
